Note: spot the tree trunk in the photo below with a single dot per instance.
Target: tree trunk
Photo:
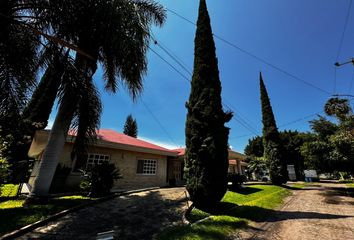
(51, 154)
(57, 137)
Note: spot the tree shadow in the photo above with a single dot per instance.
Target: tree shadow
(245, 190)
(132, 216)
(204, 230)
(259, 214)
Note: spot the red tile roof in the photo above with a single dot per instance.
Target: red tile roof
(181, 151)
(120, 138)
(232, 162)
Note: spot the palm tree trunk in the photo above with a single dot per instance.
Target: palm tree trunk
(50, 158)
(57, 137)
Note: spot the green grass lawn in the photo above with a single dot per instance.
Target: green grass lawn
(14, 216)
(252, 203)
(8, 190)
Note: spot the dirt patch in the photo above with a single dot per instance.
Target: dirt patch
(323, 211)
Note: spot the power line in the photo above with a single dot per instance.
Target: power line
(351, 83)
(173, 56)
(168, 63)
(181, 64)
(256, 57)
(341, 43)
(344, 30)
(240, 120)
(159, 123)
(300, 119)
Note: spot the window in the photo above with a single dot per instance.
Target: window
(147, 167)
(96, 159)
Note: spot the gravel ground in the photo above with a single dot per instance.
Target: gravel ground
(135, 216)
(319, 211)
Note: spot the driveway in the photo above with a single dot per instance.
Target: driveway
(134, 216)
(319, 211)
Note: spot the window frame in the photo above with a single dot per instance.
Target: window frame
(144, 160)
(106, 158)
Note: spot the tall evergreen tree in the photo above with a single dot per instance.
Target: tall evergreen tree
(131, 127)
(206, 158)
(271, 140)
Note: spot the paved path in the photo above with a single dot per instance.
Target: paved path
(320, 211)
(135, 216)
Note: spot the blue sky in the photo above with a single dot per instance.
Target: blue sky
(301, 37)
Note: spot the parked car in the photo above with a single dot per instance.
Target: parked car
(264, 176)
(311, 176)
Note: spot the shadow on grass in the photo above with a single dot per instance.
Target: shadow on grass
(246, 190)
(213, 229)
(259, 214)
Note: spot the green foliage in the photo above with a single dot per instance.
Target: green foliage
(323, 128)
(273, 148)
(131, 127)
(256, 165)
(100, 179)
(4, 171)
(332, 148)
(337, 107)
(255, 147)
(206, 158)
(252, 203)
(8, 190)
(236, 180)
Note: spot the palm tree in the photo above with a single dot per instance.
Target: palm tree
(18, 55)
(115, 33)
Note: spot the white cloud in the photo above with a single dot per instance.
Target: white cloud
(160, 143)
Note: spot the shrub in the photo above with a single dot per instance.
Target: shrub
(99, 180)
(236, 180)
(4, 171)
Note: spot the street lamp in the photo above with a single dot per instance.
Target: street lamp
(337, 64)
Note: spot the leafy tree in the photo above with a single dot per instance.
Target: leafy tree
(292, 142)
(114, 33)
(273, 149)
(323, 127)
(256, 165)
(131, 127)
(4, 171)
(255, 147)
(206, 158)
(333, 146)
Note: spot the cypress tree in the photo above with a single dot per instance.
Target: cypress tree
(271, 141)
(131, 127)
(206, 158)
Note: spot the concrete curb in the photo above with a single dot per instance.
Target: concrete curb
(30, 227)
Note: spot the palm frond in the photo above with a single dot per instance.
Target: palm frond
(87, 118)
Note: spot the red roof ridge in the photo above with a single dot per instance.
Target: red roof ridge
(109, 135)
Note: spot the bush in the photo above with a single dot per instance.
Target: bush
(99, 179)
(4, 171)
(236, 179)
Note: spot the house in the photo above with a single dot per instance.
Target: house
(236, 164)
(142, 164)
